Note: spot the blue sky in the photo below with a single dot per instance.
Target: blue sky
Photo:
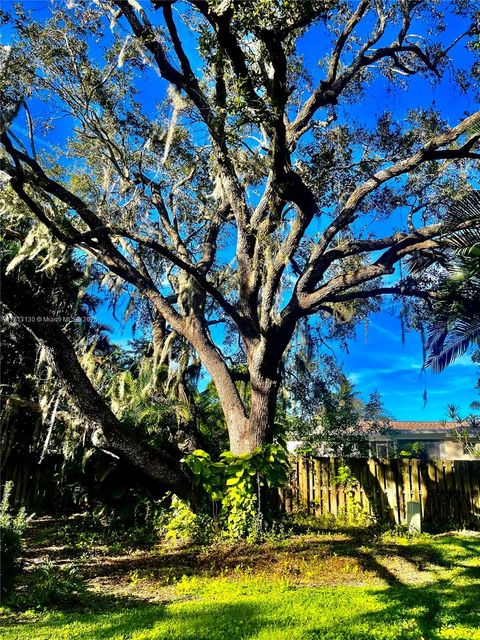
(379, 360)
(376, 359)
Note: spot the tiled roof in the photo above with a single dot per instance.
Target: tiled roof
(414, 425)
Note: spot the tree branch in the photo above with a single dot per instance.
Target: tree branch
(332, 87)
(107, 431)
(430, 152)
(187, 268)
(399, 290)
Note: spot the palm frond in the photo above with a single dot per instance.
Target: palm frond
(466, 208)
(456, 326)
(446, 345)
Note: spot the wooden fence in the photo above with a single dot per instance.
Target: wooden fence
(435, 493)
(38, 486)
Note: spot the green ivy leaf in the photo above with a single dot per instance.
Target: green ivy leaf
(195, 465)
(200, 453)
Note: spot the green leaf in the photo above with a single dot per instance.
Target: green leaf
(195, 465)
(232, 481)
(233, 468)
(200, 453)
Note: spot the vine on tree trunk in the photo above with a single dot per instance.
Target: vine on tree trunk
(235, 482)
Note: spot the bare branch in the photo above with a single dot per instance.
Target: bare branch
(399, 290)
(431, 151)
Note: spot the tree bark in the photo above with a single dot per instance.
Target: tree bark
(259, 232)
(257, 429)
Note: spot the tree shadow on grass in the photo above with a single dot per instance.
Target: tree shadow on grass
(88, 602)
(394, 612)
(400, 610)
(317, 556)
(409, 612)
(432, 607)
(403, 612)
(235, 621)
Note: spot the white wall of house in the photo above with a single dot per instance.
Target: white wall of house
(435, 445)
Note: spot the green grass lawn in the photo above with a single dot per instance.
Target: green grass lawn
(423, 588)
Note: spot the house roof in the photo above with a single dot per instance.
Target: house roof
(421, 425)
(413, 426)
(421, 429)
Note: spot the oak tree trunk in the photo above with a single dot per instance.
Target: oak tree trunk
(257, 428)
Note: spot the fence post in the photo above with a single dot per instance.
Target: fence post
(414, 506)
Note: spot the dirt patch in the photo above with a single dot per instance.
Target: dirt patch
(152, 573)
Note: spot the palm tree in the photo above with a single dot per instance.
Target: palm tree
(456, 323)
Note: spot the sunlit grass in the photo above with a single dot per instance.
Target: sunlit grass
(257, 608)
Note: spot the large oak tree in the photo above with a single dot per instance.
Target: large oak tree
(214, 173)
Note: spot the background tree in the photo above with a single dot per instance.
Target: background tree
(44, 442)
(324, 414)
(249, 198)
(467, 428)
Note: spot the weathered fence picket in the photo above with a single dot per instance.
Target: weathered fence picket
(442, 492)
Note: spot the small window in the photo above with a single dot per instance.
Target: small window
(382, 450)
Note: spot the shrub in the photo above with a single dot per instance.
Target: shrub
(54, 587)
(353, 515)
(133, 526)
(236, 483)
(182, 525)
(12, 527)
